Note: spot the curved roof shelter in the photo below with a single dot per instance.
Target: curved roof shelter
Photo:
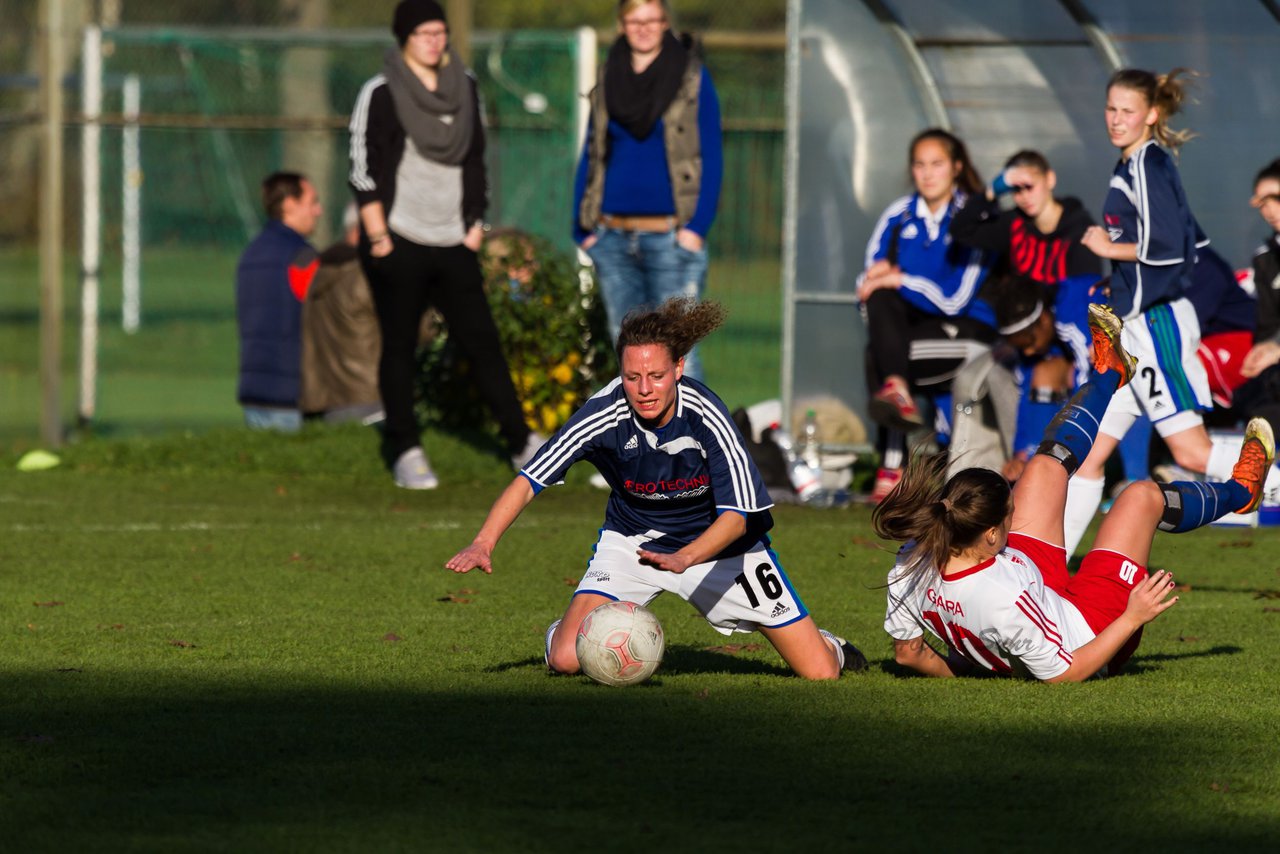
(867, 75)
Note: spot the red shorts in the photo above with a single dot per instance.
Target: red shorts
(1100, 590)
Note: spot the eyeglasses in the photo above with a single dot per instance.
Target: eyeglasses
(433, 35)
(643, 23)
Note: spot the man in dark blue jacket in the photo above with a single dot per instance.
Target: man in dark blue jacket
(272, 279)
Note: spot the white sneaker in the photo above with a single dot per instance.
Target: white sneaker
(531, 446)
(546, 650)
(412, 471)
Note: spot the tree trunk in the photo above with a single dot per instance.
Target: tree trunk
(304, 93)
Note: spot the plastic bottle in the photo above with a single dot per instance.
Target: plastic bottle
(804, 480)
(811, 443)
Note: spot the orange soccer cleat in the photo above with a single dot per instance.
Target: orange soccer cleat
(1108, 353)
(1256, 456)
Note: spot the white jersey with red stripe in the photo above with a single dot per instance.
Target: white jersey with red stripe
(998, 614)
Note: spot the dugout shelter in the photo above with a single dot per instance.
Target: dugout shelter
(864, 76)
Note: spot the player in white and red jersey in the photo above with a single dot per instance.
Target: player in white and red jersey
(689, 511)
(984, 568)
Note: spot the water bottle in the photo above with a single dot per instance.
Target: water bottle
(806, 482)
(811, 443)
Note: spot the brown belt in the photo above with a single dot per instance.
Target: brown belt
(638, 223)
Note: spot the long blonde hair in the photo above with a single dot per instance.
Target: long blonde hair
(1165, 92)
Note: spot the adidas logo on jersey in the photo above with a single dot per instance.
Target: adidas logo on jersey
(778, 610)
(632, 444)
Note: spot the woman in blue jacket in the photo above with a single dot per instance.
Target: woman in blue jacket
(920, 295)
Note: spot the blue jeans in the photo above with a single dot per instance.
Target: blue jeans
(271, 418)
(646, 268)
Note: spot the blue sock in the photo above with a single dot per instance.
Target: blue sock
(1070, 435)
(1191, 504)
(1135, 450)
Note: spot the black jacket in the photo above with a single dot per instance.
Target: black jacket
(377, 144)
(1023, 248)
(1266, 278)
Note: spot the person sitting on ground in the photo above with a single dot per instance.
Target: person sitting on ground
(688, 513)
(1005, 399)
(340, 337)
(272, 280)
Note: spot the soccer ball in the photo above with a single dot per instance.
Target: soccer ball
(620, 643)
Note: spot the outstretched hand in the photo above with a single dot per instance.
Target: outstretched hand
(1147, 599)
(676, 562)
(472, 557)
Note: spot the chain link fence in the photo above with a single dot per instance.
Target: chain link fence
(235, 90)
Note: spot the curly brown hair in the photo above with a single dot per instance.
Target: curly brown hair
(677, 324)
(942, 516)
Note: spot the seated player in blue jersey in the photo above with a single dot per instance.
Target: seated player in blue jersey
(688, 513)
(983, 567)
(919, 294)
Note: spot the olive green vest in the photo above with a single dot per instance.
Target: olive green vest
(680, 135)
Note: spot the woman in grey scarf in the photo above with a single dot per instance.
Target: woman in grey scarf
(417, 170)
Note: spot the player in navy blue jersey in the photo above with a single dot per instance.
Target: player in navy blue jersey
(1150, 236)
(689, 511)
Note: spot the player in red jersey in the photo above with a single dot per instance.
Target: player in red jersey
(984, 569)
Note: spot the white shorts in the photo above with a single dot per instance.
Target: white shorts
(736, 594)
(1171, 385)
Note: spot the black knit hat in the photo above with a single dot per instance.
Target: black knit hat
(411, 14)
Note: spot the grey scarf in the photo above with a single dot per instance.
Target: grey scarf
(441, 122)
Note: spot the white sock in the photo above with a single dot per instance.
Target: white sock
(1222, 459)
(1083, 497)
(551, 632)
(835, 645)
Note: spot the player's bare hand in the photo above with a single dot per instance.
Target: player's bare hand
(1148, 599)
(1013, 468)
(588, 242)
(472, 557)
(676, 562)
(1097, 241)
(474, 237)
(381, 248)
(1259, 358)
(690, 240)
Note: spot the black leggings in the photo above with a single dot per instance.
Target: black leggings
(405, 284)
(925, 349)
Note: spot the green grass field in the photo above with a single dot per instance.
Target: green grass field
(231, 641)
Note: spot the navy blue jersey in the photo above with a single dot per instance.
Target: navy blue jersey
(1146, 206)
(669, 485)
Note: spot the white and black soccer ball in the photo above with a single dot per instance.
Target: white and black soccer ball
(620, 643)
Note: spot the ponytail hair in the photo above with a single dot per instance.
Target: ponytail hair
(942, 516)
(967, 179)
(1165, 92)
